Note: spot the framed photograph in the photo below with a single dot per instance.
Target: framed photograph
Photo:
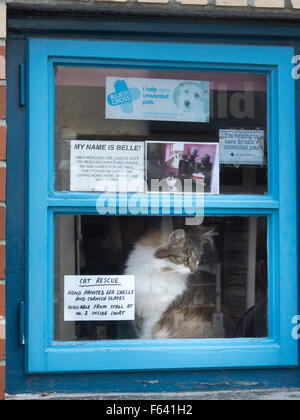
(178, 167)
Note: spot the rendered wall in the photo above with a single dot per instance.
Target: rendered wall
(249, 4)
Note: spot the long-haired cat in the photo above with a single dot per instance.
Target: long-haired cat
(162, 265)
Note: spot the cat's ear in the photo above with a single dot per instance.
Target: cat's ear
(210, 233)
(177, 238)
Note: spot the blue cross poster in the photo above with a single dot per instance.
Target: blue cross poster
(135, 98)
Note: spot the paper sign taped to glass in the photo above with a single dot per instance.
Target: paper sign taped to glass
(242, 147)
(106, 166)
(99, 298)
(135, 98)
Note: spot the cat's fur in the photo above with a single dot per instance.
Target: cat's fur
(162, 265)
(190, 315)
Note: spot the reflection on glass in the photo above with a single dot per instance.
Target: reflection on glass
(237, 103)
(207, 281)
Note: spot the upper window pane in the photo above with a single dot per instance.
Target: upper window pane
(177, 125)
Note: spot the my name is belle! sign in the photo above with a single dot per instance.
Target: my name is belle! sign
(110, 166)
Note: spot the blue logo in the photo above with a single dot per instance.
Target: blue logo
(123, 96)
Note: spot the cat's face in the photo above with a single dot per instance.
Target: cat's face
(171, 180)
(186, 249)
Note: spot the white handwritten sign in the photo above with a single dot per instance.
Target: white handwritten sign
(242, 147)
(107, 166)
(99, 298)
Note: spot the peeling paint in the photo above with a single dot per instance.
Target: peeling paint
(148, 382)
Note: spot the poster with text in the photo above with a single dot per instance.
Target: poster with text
(157, 99)
(107, 166)
(242, 147)
(99, 298)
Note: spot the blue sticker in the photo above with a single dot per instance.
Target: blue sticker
(123, 96)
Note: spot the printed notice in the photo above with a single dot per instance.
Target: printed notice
(99, 298)
(107, 166)
(136, 98)
(242, 147)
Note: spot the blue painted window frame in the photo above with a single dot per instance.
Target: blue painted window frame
(43, 354)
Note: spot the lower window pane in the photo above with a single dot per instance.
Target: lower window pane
(125, 277)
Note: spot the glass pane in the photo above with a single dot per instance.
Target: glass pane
(122, 277)
(173, 116)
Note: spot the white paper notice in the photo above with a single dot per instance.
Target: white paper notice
(107, 166)
(136, 98)
(242, 147)
(99, 298)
